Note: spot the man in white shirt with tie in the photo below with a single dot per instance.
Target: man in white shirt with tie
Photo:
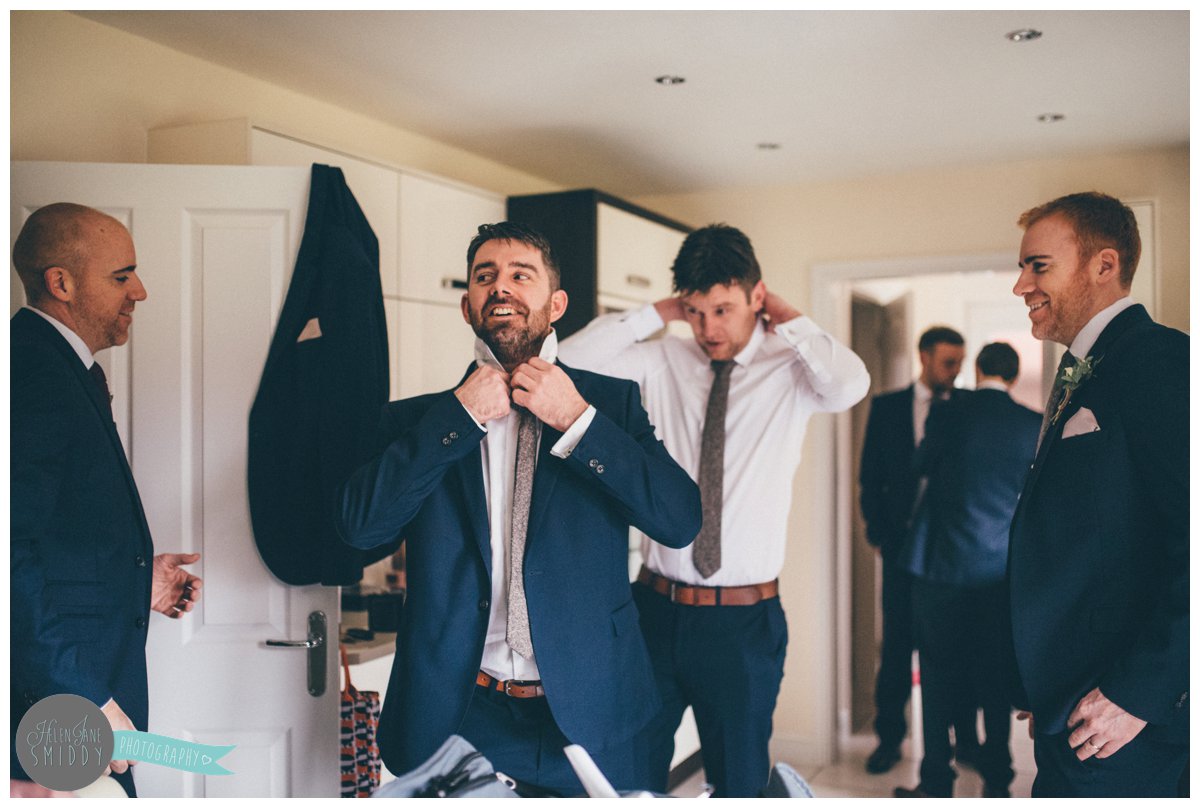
(731, 405)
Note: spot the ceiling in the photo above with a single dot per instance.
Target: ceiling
(570, 96)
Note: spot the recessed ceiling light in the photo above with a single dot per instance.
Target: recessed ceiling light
(1023, 35)
(669, 80)
(1051, 117)
(770, 146)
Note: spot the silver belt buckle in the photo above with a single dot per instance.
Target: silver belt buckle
(671, 591)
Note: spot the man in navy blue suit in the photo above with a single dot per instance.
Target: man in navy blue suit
(520, 632)
(1098, 560)
(84, 574)
(888, 493)
(974, 458)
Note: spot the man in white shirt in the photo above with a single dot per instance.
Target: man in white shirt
(732, 405)
(514, 494)
(1098, 558)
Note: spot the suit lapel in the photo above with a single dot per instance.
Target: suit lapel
(548, 469)
(1128, 318)
(470, 478)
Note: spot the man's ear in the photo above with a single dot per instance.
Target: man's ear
(1107, 266)
(59, 284)
(558, 304)
(757, 297)
(466, 309)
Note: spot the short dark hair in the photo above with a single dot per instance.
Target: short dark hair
(1099, 221)
(937, 335)
(715, 255)
(514, 231)
(998, 359)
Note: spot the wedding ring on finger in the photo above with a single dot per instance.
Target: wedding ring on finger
(1093, 746)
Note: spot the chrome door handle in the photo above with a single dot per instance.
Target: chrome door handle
(315, 645)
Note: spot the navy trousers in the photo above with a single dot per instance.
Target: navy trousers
(521, 739)
(727, 663)
(1141, 768)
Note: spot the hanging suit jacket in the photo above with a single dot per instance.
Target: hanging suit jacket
(313, 419)
(1098, 558)
(80, 548)
(427, 488)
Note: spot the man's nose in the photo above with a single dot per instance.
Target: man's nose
(1024, 284)
(137, 290)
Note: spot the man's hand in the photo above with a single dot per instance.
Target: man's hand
(546, 391)
(118, 721)
(174, 590)
(776, 310)
(670, 308)
(1101, 728)
(28, 788)
(485, 394)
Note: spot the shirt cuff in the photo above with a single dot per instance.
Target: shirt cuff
(645, 322)
(472, 417)
(813, 344)
(570, 439)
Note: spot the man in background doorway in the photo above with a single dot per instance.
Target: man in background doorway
(732, 405)
(1098, 563)
(974, 458)
(888, 490)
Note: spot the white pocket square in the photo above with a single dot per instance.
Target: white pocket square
(1081, 423)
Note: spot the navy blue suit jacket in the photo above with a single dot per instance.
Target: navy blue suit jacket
(427, 489)
(1098, 562)
(80, 549)
(975, 457)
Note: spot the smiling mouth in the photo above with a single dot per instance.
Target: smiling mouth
(502, 311)
(1039, 306)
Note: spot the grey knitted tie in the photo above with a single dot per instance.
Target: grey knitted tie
(1056, 394)
(706, 551)
(517, 630)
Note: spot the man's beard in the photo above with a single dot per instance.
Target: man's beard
(511, 343)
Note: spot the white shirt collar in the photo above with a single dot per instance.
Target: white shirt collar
(1087, 336)
(921, 391)
(73, 339)
(484, 355)
(746, 355)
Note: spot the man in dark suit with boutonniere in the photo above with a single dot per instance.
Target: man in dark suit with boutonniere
(1098, 557)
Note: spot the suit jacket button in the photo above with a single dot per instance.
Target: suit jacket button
(600, 469)
(593, 463)
(1182, 699)
(445, 441)
(140, 561)
(453, 436)
(484, 604)
(140, 622)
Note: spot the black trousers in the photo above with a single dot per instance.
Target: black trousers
(893, 682)
(1144, 767)
(961, 637)
(727, 663)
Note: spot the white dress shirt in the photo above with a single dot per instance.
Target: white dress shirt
(922, 398)
(1087, 336)
(499, 449)
(779, 380)
(73, 339)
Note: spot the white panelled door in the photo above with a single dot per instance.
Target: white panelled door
(215, 248)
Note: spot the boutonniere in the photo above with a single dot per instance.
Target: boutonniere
(1070, 380)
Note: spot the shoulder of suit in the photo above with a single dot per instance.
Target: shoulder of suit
(894, 396)
(1146, 348)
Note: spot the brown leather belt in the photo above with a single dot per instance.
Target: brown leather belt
(708, 595)
(515, 688)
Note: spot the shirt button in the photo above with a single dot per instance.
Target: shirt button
(484, 604)
(141, 562)
(140, 622)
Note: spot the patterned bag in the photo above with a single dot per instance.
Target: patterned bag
(360, 764)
